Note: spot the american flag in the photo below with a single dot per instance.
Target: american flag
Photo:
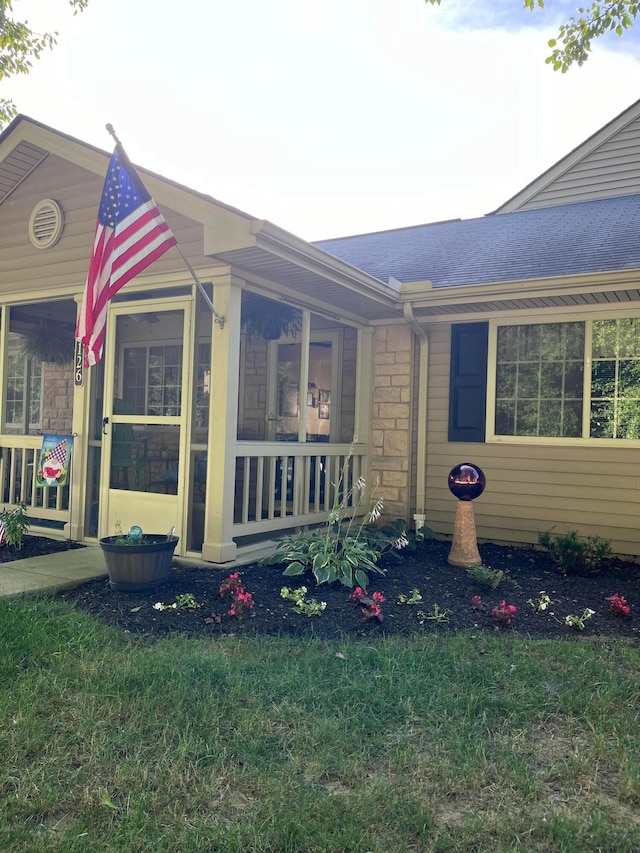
(131, 234)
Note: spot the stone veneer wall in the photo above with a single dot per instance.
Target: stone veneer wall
(57, 399)
(391, 418)
(348, 369)
(253, 426)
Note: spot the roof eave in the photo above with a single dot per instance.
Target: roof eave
(420, 296)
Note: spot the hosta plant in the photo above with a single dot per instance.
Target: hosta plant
(342, 549)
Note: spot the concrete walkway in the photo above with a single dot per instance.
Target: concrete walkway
(53, 571)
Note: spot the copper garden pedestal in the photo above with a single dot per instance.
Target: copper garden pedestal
(466, 481)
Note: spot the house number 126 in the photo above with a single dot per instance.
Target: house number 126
(78, 369)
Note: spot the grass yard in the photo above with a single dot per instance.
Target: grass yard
(485, 742)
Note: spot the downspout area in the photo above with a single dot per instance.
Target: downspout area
(421, 444)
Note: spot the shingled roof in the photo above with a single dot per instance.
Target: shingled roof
(570, 239)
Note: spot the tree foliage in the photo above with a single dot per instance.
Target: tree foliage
(19, 46)
(572, 45)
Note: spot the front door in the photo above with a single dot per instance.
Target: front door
(145, 412)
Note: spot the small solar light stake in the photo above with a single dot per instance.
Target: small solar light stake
(466, 481)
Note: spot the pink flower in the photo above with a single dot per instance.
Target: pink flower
(372, 604)
(242, 601)
(619, 606)
(504, 614)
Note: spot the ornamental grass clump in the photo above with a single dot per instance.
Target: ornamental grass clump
(344, 549)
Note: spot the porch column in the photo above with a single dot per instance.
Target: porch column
(364, 387)
(218, 545)
(74, 528)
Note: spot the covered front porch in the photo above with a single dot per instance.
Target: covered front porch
(227, 430)
(226, 435)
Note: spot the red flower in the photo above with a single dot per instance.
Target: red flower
(504, 614)
(619, 606)
(242, 601)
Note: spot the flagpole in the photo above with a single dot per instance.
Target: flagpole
(218, 319)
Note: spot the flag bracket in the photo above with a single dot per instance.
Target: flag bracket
(217, 318)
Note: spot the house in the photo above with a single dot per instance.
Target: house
(511, 341)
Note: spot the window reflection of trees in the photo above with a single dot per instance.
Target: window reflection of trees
(540, 379)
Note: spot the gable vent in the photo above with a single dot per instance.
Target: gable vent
(45, 224)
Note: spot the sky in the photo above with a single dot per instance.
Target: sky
(327, 117)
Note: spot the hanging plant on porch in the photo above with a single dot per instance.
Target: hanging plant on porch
(270, 319)
(53, 346)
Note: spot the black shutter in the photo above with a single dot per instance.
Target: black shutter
(468, 381)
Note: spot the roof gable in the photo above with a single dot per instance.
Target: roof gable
(606, 164)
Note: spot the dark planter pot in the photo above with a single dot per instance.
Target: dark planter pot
(134, 568)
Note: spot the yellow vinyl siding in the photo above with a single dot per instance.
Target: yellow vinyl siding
(605, 166)
(530, 487)
(26, 269)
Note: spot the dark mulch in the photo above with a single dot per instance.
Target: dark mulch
(36, 546)
(528, 572)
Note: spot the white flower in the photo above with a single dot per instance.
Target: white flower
(401, 541)
(376, 511)
(158, 605)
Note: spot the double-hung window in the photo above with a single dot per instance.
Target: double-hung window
(23, 389)
(573, 380)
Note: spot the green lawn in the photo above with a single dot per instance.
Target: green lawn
(468, 743)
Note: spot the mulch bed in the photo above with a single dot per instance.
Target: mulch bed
(36, 546)
(528, 572)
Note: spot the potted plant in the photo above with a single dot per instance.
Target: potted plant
(270, 319)
(137, 561)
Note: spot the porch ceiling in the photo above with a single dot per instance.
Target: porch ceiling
(326, 289)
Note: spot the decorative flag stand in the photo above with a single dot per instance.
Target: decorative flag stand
(54, 464)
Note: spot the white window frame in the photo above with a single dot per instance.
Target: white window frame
(148, 346)
(518, 320)
(29, 365)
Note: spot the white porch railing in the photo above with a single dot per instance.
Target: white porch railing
(280, 485)
(19, 456)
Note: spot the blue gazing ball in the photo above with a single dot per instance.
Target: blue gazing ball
(135, 533)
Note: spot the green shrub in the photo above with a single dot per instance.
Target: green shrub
(574, 555)
(16, 523)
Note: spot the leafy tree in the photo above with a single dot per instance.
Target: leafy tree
(19, 46)
(573, 42)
